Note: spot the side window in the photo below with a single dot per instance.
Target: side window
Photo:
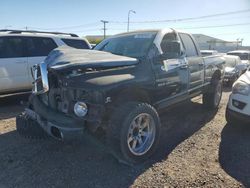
(188, 45)
(79, 44)
(40, 46)
(12, 47)
(170, 37)
(2, 47)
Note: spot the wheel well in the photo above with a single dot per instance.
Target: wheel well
(216, 75)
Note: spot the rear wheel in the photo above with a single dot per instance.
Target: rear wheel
(212, 98)
(135, 131)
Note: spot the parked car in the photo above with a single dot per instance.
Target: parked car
(20, 50)
(243, 54)
(208, 52)
(118, 88)
(238, 107)
(233, 68)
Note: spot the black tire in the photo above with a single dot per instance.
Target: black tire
(210, 99)
(119, 125)
(230, 119)
(28, 128)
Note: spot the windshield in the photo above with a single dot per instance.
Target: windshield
(243, 56)
(133, 45)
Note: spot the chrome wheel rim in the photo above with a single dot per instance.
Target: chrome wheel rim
(218, 94)
(141, 134)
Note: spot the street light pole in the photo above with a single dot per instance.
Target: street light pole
(128, 18)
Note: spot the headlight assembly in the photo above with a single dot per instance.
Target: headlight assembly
(80, 109)
(241, 88)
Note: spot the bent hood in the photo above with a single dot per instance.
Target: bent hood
(71, 58)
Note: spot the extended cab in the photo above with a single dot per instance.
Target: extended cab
(118, 88)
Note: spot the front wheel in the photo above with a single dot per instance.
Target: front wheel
(212, 98)
(137, 129)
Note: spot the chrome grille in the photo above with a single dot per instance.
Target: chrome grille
(40, 76)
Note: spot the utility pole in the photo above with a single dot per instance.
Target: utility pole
(104, 27)
(129, 18)
(237, 43)
(241, 41)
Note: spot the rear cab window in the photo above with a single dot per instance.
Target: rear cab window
(79, 44)
(189, 45)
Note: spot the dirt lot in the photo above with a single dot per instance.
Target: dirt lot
(197, 149)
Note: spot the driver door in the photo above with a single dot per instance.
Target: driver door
(171, 74)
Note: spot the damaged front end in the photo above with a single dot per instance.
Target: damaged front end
(61, 110)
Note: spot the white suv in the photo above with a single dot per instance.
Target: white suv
(238, 107)
(20, 50)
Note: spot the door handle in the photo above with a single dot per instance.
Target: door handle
(20, 62)
(201, 64)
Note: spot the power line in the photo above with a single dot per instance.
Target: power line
(84, 30)
(201, 27)
(191, 21)
(67, 27)
(216, 26)
(187, 19)
(236, 33)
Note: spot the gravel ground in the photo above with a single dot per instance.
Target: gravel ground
(197, 149)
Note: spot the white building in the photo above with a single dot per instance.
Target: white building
(210, 43)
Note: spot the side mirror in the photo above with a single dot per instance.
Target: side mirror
(172, 49)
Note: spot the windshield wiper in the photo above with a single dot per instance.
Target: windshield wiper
(117, 53)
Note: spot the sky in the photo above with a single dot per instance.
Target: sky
(83, 17)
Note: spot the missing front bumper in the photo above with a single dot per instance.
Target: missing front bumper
(62, 132)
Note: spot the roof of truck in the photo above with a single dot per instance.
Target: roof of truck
(239, 51)
(150, 30)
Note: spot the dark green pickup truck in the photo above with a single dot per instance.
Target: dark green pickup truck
(118, 88)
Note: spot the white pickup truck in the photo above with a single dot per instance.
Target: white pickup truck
(20, 50)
